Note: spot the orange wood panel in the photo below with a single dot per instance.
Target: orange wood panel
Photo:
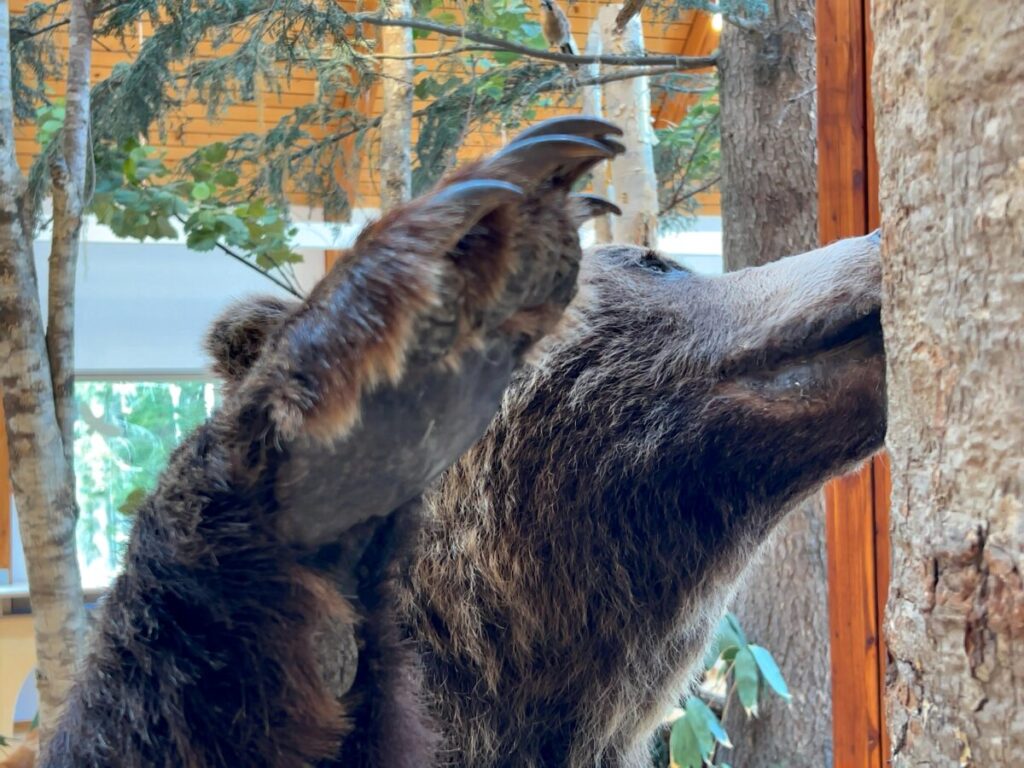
(857, 505)
(882, 480)
(880, 464)
(5, 501)
(853, 620)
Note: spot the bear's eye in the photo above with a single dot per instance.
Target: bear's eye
(652, 262)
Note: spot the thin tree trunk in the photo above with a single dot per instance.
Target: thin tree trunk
(948, 85)
(39, 468)
(593, 105)
(770, 210)
(628, 103)
(396, 121)
(68, 173)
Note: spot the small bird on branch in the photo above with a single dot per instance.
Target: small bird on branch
(557, 31)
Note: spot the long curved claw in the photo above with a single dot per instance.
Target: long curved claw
(477, 197)
(579, 125)
(540, 157)
(588, 206)
(617, 147)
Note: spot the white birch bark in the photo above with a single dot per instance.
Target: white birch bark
(628, 103)
(396, 122)
(593, 105)
(40, 469)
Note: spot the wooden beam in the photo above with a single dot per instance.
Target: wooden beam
(700, 41)
(857, 505)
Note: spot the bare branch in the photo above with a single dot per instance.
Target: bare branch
(611, 77)
(681, 196)
(679, 63)
(433, 54)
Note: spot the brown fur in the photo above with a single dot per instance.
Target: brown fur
(581, 553)
(205, 651)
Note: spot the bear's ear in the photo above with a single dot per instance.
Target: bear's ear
(237, 337)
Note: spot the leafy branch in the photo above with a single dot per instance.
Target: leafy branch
(742, 670)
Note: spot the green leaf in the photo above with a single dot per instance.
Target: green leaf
(226, 178)
(235, 229)
(201, 191)
(506, 57)
(747, 680)
(215, 153)
(770, 670)
(201, 240)
(697, 717)
(51, 126)
(701, 712)
(129, 167)
(734, 625)
(202, 172)
(682, 745)
(165, 229)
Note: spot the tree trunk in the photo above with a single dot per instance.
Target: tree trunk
(593, 105)
(628, 103)
(770, 210)
(948, 86)
(68, 173)
(396, 121)
(39, 466)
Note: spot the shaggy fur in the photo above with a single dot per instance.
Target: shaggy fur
(576, 560)
(580, 555)
(205, 652)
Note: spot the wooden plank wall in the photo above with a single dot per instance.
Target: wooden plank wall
(857, 506)
(188, 128)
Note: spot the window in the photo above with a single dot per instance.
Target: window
(125, 432)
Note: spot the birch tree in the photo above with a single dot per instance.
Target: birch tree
(634, 185)
(37, 366)
(396, 120)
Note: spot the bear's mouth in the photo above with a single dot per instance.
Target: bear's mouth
(833, 357)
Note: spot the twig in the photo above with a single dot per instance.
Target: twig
(368, 125)
(677, 199)
(279, 282)
(431, 54)
(677, 195)
(19, 34)
(677, 62)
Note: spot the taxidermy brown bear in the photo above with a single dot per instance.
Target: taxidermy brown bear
(569, 569)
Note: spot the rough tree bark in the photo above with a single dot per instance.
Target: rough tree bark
(770, 210)
(593, 105)
(948, 85)
(628, 104)
(396, 120)
(36, 419)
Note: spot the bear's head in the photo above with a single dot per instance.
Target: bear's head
(578, 557)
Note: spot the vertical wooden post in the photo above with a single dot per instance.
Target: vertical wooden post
(857, 506)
